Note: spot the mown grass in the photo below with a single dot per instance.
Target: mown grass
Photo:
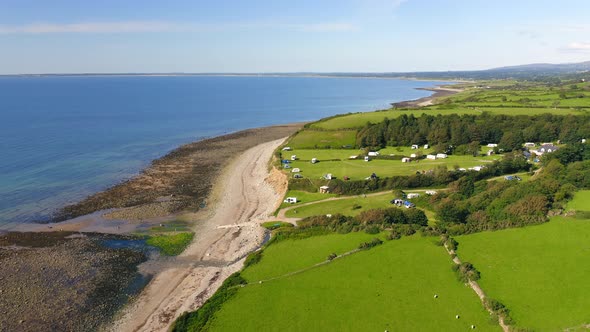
(171, 244)
(359, 120)
(581, 201)
(352, 206)
(539, 272)
(359, 169)
(304, 197)
(314, 139)
(389, 287)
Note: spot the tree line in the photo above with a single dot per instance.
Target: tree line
(453, 131)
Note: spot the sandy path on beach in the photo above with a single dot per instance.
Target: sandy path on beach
(242, 197)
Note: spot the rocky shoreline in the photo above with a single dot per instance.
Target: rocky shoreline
(181, 180)
(62, 281)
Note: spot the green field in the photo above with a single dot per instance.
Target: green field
(540, 272)
(359, 169)
(313, 139)
(304, 197)
(357, 120)
(390, 287)
(581, 201)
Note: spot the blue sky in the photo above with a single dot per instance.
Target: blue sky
(73, 36)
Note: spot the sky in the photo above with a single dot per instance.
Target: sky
(246, 36)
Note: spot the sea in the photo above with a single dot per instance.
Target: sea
(63, 138)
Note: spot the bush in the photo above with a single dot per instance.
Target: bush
(253, 258)
(368, 245)
(394, 236)
(373, 229)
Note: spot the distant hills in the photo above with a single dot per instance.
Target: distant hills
(535, 71)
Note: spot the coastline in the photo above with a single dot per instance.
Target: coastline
(226, 226)
(438, 92)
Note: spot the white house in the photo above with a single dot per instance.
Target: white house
(426, 146)
(406, 160)
(547, 148)
(492, 145)
(413, 195)
(441, 155)
(373, 154)
(293, 157)
(414, 146)
(431, 157)
(290, 200)
(286, 148)
(413, 155)
(295, 170)
(367, 158)
(314, 160)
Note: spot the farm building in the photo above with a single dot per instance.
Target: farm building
(441, 155)
(295, 170)
(324, 190)
(290, 200)
(492, 145)
(413, 195)
(431, 157)
(373, 154)
(406, 160)
(415, 147)
(314, 160)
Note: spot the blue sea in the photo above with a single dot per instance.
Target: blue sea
(63, 138)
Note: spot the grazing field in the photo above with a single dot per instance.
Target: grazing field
(313, 139)
(581, 201)
(358, 120)
(359, 169)
(539, 272)
(390, 287)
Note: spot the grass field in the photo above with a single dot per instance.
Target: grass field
(359, 169)
(390, 287)
(581, 201)
(357, 120)
(540, 272)
(311, 139)
(171, 244)
(304, 197)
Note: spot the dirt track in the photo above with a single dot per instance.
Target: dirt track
(243, 198)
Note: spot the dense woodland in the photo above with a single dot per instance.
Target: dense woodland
(466, 132)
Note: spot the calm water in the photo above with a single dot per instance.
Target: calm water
(62, 138)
